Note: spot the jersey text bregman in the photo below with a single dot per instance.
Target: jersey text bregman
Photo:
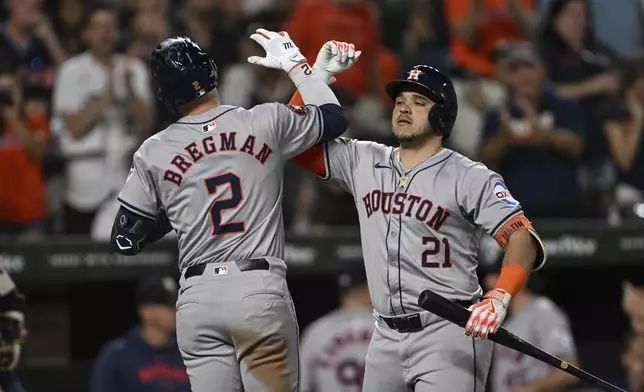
(220, 173)
(209, 145)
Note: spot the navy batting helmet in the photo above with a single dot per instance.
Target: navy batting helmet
(351, 275)
(436, 86)
(182, 72)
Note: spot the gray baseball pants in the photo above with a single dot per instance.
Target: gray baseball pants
(438, 358)
(237, 330)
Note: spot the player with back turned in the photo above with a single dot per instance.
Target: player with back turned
(334, 346)
(215, 177)
(423, 209)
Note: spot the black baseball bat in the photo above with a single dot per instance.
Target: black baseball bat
(459, 315)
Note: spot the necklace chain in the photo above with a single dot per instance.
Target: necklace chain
(416, 165)
(404, 180)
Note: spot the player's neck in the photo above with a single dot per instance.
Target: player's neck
(410, 156)
(209, 102)
(154, 337)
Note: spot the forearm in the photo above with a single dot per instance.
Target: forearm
(556, 379)
(311, 86)
(527, 19)
(578, 90)
(494, 150)
(33, 143)
(624, 143)
(466, 28)
(564, 141)
(80, 123)
(521, 254)
(131, 238)
(54, 48)
(141, 110)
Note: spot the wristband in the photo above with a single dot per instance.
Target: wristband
(300, 72)
(512, 279)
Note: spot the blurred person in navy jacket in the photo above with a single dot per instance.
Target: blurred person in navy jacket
(147, 359)
(535, 139)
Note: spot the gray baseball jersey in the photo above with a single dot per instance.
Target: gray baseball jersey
(333, 351)
(543, 324)
(219, 176)
(421, 227)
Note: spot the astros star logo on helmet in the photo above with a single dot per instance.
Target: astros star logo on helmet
(414, 74)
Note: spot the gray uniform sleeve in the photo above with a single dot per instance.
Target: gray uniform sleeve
(296, 128)
(554, 334)
(340, 159)
(485, 199)
(139, 193)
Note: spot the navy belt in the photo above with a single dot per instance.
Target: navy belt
(243, 265)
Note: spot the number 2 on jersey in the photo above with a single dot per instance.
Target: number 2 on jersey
(220, 205)
(434, 246)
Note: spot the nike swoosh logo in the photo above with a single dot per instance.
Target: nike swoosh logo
(379, 166)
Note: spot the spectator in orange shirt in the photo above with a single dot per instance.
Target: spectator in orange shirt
(23, 139)
(479, 26)
(314, 22)
(388, 69)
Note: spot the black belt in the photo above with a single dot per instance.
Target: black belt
(243, 265)
(412, 322)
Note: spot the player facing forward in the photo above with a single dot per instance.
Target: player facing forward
(215, 176)
(423, 209)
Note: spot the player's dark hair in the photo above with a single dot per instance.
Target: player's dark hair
(548, 36)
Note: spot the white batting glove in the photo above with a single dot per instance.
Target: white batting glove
(335, 57)
(281, 51)
(488, 315)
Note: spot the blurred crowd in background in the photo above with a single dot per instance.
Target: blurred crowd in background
(76, 97)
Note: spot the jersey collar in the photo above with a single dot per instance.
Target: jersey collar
(206, 117)
(435, 159)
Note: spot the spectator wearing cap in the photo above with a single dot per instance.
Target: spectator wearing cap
(334, 347)
(535, 139)
(147, 359)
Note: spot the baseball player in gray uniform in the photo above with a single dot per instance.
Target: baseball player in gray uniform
(538, 320)
(423, 209)
(334, 347)
(215, 177)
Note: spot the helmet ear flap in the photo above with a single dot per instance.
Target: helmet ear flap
(439, 119)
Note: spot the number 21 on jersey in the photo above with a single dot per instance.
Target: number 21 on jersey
(220, 205)
(438, 249)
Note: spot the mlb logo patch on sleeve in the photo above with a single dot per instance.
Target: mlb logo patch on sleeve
(223, 270)
(502, 193)
(301, 110)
